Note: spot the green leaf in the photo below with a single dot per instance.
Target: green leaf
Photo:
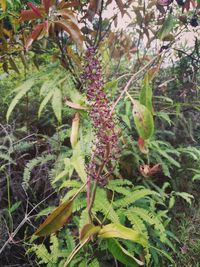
(146, 93)
(78, 161)
(56, 219)
(44, 102)
(187, 197)
(120, 231)
(167, 27)
(23, 89)
(122, 254)
(143, 120)
(134, 196)
(57, 104)
(88, 231)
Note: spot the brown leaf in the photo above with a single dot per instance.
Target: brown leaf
(28, 15)
(75, 105)
(56, 219)
(47, 4)
(121, 6)
(148, 171)
(94, 8)
(63, 4)
(35, 9)
(37, 30)
(68, 14)
(75, 129)
(72, 29)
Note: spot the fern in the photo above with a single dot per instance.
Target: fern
(69, 240)
(94, 263)
(56, 103)
(79, 203)
(101, 204)
(22, 90)
(149, 218)
(119, 189)
(133, 197)
(23, 146)
(32, 164)
(137, 222)
(6, 157)
(84, 219)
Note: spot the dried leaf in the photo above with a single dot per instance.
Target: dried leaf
(121, 6)
(56, 219)
(75, 105)
(148, 171)
(75, 129)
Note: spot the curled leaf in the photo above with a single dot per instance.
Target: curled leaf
(88, 231)
(147, 171)
(120, 231)
(72, 29)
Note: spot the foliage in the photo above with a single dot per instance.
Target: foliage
(91, 125)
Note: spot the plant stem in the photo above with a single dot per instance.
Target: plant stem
(92, 200)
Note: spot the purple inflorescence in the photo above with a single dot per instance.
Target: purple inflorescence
(106, 144)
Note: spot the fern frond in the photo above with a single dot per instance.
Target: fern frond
(137, 222)
(69, 241)
(101, 204)
(150, 218)
(6, 157)
(32, 164)
(84, 218)
(119, 182)
(94, 263)
(133, 197)
(79, 203)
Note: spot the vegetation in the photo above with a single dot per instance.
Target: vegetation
(99, 133)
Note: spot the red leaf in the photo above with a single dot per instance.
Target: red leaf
(142, 145)
(72, 29)
(35, 34)
(47, 4)
(28, 15)
(35, 9)
(69, 4)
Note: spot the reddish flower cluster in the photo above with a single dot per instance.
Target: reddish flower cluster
(106, 144)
